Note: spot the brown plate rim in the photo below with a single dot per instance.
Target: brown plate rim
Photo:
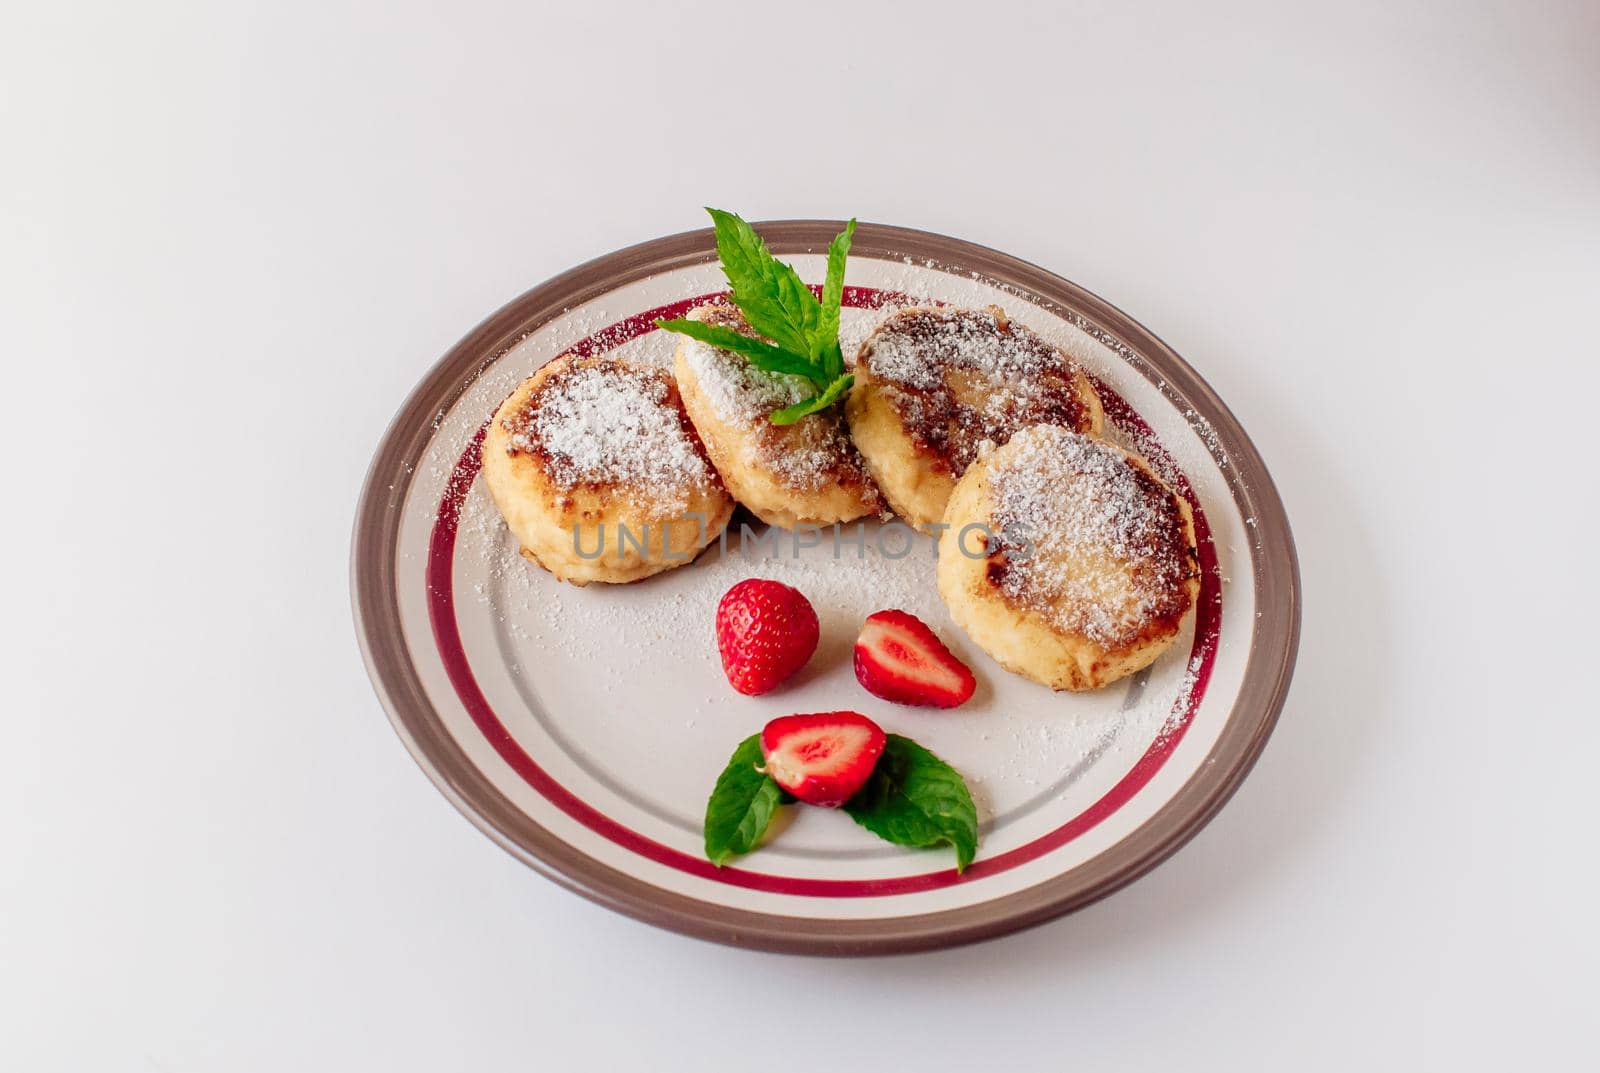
(1273, 645)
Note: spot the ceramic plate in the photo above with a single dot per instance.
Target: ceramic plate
(582, 728)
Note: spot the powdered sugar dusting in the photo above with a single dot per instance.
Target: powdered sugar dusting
(961, 377)
(620, 673)
(594, 660)
(1108, 552)
(807, 455)
(738, 390)
(602, 422)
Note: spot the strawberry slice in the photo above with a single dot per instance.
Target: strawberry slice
(765, 632)
(900, 659)
(823, 759)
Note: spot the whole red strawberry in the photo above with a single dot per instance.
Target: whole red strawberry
(765, 632)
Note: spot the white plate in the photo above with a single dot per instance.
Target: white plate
(582, 728)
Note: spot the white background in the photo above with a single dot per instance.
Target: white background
(235, 235)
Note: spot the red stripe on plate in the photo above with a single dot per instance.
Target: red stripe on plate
(447, 636)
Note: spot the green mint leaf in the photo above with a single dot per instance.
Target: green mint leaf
(832, 296)
(742, 804)
(915, 799)
(768, 292)
(790, 414)
(759, 352)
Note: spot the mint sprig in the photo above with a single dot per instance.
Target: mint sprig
(804, 332)
(760, 353)
(832, 295)
(790, 414)
(742, 804)
(915, 799)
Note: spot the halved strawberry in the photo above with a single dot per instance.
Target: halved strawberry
(765, 632)
(823, 759)
(899, 658)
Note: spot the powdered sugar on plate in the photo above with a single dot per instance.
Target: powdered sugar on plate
(622, 676)
(592, 661)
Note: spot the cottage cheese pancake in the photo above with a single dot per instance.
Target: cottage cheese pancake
(807, 473)
(1067, 559)
(933, 384)
(599, 473)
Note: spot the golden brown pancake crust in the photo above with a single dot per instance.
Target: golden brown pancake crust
(805, 473)
(1157, 550)
(605, 425)
(959, 377)
(589, 446)
(935, 384)
(1083, 563)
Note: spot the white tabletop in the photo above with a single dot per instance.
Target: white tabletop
(235, 235)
